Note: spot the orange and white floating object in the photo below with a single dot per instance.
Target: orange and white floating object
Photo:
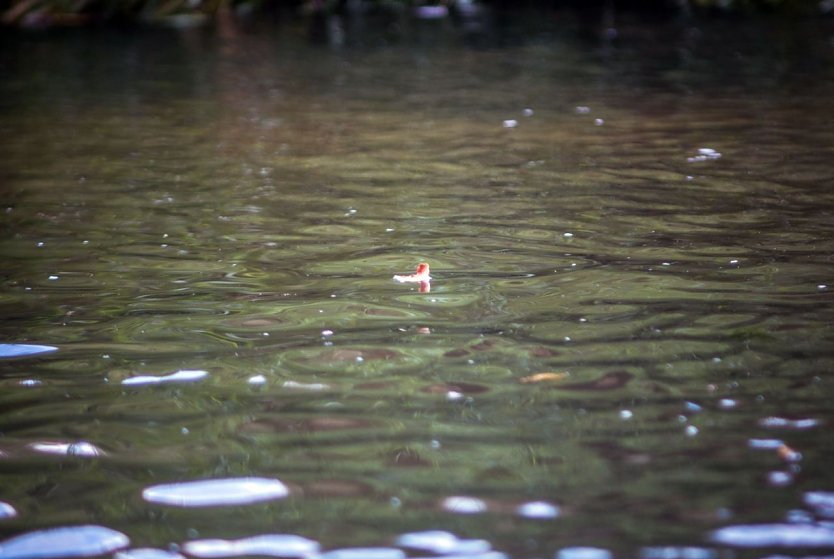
(421, 275)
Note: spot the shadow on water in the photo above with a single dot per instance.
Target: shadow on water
(626, 341)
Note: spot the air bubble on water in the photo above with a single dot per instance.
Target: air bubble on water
(775, 535)
(327, 333)
(40, 244)
(304, 385)
(727, 403)
(179, 376)
(704, 154)
(85, 242)
(64, 541)
(567, 338)
(470, 361)
(359, 359)
(691, 431)
(765, 444)
(453, 395)
(821, 501)
(692, 407)
(734, 261)
(799, 516)
(435, 444)
(583, 553)
(389, 229)
(567, 234)
(665, 263)
(786, 423)
(147, 553)
(583, 319)
(510, 123)
(464, 505)
(53, 278)
(257, 379)
(675, 552)
(81, 448)
(216, 492)
(779, 479)
(625, 415)
(274, 545)
(822, 287)
(184, 431)
(440, 542)
(538, 509)
(598, 122)
(364, 552)
(7, 511)
(29, 382)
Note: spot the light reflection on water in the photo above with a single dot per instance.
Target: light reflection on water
(617, 330)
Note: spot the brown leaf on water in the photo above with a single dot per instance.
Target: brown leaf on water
(608, 381)
(484, 345)
(337, 488)
(543, 377)
(543, 352)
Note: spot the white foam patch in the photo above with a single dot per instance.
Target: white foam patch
(7, 511)
(147, 553)
(216, 492)
(179, 376)
(674, 552)
(538, 509)
(464, 505)
(821, 501)
(70, 541)
(786, 423)
(81, 448)
(775, 535)
(20, 350)
(441, 542)
(364, 553)
(583, 553)
(268, 545)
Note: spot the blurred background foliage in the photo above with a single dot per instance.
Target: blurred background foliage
(46, 13)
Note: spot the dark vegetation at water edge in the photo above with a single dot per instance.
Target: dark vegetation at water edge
(46, 13)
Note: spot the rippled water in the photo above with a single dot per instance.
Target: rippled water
(626, 346)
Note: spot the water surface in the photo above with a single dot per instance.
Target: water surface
(629, 324)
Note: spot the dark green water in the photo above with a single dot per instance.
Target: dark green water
(239, 203)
